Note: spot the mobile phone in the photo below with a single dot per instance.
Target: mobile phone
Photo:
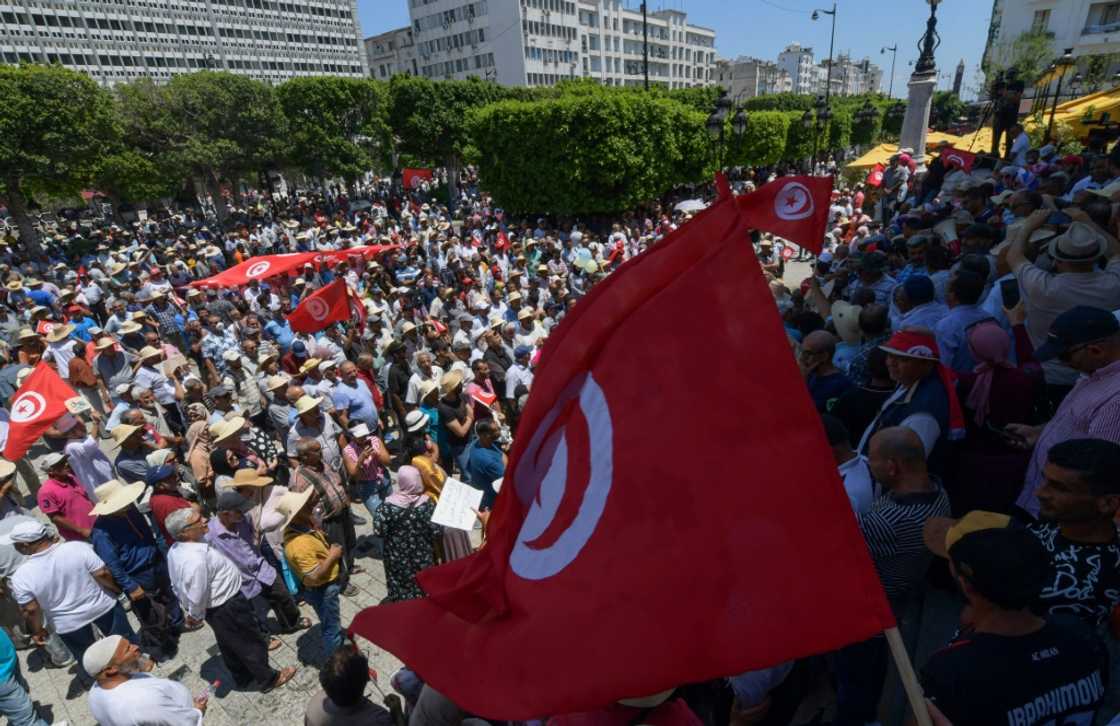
(1059, 218)
(1009, 289)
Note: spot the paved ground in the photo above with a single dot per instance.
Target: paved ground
(60, 697)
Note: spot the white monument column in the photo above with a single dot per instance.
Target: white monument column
(923, 82)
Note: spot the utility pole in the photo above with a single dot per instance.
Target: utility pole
(645, 44)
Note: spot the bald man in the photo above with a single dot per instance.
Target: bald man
(893, 530)
(825, 381)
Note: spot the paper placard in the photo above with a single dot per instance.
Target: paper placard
(457, 505)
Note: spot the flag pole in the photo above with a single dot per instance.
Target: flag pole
(909, 678)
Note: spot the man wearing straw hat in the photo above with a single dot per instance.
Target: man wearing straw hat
(168, 392)
(122, 537)
(332, 502)
(208, 586)
(312, 423)
(314, 562)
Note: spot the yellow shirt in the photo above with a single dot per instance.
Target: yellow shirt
(304, 551)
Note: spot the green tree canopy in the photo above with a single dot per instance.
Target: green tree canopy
(947, 108)
(764, 142)
(54, 124)
(336, 126)
(596, 153)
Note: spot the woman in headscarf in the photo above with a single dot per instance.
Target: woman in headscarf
(199, 446)
(404, 522)
(425, 457)
(990, 469)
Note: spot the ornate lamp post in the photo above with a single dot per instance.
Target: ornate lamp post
(831, 44)
(866, 114)
(894, 55)
(809, 120)
(923, 80)
(718, 119)
(1061, 67)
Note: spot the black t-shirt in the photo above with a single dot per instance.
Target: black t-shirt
(1052, 676)
(1086, 577)
(858, 406)
(452, 413)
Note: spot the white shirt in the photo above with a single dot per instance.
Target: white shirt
(144, 700)
(60, 579)
(412, 396)
(517, 375)
(202, 577)
(858, 483)
(1019, 149)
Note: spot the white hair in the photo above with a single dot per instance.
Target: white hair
(177, 521)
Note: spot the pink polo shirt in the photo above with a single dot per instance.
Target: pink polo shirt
(67, 498)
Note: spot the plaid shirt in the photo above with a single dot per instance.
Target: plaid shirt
(857, 370)
(167, 319)
(328, 485)
(213, 345)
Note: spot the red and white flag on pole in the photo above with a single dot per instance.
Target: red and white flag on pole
(875, 176)
(330, 304)
(962, 158)
(791, 207)
(413, 178)
(614, 569)
(38, 403)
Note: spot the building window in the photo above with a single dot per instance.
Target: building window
(1041, 22)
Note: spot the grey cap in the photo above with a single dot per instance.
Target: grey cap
(219, 390)
(231, 501)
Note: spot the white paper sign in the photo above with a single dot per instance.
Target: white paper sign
(457, 504)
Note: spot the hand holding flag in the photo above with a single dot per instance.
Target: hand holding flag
(330, 304)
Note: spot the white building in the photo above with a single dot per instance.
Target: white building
(797, 61)
(542, 42)
(746, 77)
(119, 40)
(1091, 28)
(391, 53)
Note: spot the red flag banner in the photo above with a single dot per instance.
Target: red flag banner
(612, 570)
(791, 207)
(412, 178)
(875, 176)
(365, 251)
(329, 304)
(44, 327)
(257, 268)
(958, 156)
(503, 241)
(38, 403)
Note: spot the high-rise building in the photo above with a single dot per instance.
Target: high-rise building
(542, 42)
(849, 77)
(797, 61)
(745, 77)
(958, 79)
(391, 53)
(119, 40)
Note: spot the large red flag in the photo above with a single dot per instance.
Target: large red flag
(959, 156)
(792, 207)
(875, 176)
(257, 268)
(330, 304)
(38, 403)
(625, 555)
(412, 178)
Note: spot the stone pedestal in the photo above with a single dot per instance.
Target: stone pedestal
(915, 125)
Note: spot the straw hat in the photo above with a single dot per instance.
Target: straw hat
(60, 333)
(104, 343)
(309, 365)
(307, 403)
(289, 505)
(416, 421)
(27, 334)
(15, 285)
(123, 431)
(276, 382)
(224, 429)
(149, 352)
(7, 468)
(845, 317)
(114, 495)
(449, 382)
(249, 478)
(130, 327)
(426, 388)
(525, 314)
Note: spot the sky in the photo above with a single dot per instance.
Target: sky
(762, 28)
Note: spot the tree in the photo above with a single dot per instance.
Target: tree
(599, 152)
(839, 135)
(429, 119)
(764, 141)
(336, 126)
(128, 174)
(1029, 54)
(947, 108)
(54, 124)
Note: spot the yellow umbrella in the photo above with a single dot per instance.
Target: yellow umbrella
(881, 154)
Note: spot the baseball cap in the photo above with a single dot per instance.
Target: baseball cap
(298, 348)
(1076, 326)
(521, 350)
(230, 501)
(25, 533)
(159, 473)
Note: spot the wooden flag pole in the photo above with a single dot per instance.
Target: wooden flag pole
(909, 678)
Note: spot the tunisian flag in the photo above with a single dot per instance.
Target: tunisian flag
(412, 178)
(330, 304)
(257, 268)
(38, 403)
(618, 566)
(958, 156)
(792, 207)
(875, 177)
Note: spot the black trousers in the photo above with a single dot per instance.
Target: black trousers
(241, 641)
(277, 598)
(339, 530)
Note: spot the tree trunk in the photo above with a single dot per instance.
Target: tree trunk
(17, 205)
(452, 184)
(216, 198)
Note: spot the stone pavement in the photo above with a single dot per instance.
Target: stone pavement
(59, 696)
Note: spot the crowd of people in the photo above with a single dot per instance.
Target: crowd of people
(957, 336)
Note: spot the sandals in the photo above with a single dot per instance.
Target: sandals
(281, 678)
(274, 644)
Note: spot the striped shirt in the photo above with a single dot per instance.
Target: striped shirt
(1091, 410)
(893, 530)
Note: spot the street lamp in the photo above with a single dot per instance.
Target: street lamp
(739, 123)
(894, 54)
(866, 114)
(929, 42)
(1061, 66)
(717, 120)
(811, 120)
(831, 43)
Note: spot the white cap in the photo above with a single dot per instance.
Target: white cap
(230, 355)
(99, 655)
(25, 532)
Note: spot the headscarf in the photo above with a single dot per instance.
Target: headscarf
(199, 444)
(990, 347)
(409, 491)
(922, 345)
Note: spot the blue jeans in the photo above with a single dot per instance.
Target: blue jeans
(372, 492)
(114, 622)
(325, 601)
(16, 704)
